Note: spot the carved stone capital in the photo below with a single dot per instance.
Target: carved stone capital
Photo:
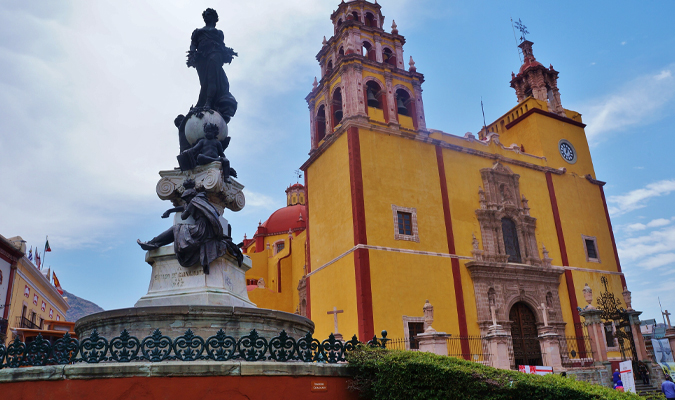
(208, 178)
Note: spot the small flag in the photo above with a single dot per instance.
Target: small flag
(30, 253)
(37, 259)
(47, 274)
(47, 248)
(57, 284)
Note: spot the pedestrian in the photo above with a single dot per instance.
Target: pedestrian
(616, 376)
(645, 376)
(618, 385)
(668, 388)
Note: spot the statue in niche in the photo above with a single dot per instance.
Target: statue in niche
(201, 241)
(207, 150)
(207, 55)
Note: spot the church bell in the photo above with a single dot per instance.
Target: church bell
(372, 100)
(402, 110)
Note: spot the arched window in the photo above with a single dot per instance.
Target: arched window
(370, 20)
(337, 107)
(511, 245)
(339, 23)
(403, 103)
(356, 16)
(389, 57)
(368, 51)
(329, 67)
(320, 124)
(341, 51)
(374, 95)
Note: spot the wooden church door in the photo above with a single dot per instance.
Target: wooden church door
(526, 348)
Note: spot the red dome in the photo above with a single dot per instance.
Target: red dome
(529, 63)
(286, 218)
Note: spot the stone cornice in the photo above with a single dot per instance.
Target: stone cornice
(363, 123)
(595, 181)
(545, 113)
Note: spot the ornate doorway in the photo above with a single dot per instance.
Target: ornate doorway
(526, 348)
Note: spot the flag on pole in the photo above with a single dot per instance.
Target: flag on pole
(37, 259)
(30, 253)
(47, 274)
(47, 248)
(57, 284)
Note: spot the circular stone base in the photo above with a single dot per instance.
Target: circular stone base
(204, 321)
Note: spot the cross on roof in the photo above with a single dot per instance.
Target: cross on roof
(522, 28)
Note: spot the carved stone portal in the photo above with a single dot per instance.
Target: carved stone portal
(509, 269)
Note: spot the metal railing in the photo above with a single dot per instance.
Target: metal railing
(403, 344)
(478, 348)
(23, 322)
(575, 351)
(188, 347)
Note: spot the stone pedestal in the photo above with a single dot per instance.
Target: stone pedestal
(204, 321)
(670, 335)
(550, 347)
(172, 284)
(634, 318)
(498, 345)
(596, 333)
(433, 342)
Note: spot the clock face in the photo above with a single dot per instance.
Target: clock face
(567, 151)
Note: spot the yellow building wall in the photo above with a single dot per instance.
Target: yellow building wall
(18, 300)
(331, 234)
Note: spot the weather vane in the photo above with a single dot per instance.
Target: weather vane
(298, 174)
(522, 28)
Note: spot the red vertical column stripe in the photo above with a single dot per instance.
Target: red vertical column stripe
(457, 278)
(364, 296)
(563, 254)
(308, 255)
(611, 235)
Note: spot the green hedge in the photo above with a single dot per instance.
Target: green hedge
(407, 375)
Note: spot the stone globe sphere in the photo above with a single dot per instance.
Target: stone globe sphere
(194, 127)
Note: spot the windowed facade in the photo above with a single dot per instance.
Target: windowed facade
(405, 223)
(591, 248)
(511, 245)
(414, 329)
(279, 246)
(412, 326)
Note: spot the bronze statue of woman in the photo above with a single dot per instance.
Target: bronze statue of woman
(207, 55)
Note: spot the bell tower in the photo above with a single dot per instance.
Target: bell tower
(363, 77)
(535, 80)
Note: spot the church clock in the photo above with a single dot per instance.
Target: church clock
(567, 151)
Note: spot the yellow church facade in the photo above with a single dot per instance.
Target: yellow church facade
(505, 227)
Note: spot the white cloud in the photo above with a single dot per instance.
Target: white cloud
(651, 249)
(636, 199)
(642, 100)
(658, 260)
(89, 91)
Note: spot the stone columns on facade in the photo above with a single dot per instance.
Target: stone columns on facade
(498, 345)
(419, 107)
(640, 348)
(596, 331)
(431, 341)
(391, 100)
(594, 326)
(378, 49)
(549, 340)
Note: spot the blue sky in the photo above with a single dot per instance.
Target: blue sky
(89, 90)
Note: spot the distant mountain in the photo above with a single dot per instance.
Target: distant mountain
(79, 307)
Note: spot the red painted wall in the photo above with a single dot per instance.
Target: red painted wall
(183, 388)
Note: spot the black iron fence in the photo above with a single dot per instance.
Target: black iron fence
(23, 322)
(479, 350)
(187, 347)
(403, 344)
(575, 351)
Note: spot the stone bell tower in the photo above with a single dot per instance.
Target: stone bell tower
(363, 76)
(535, 80)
